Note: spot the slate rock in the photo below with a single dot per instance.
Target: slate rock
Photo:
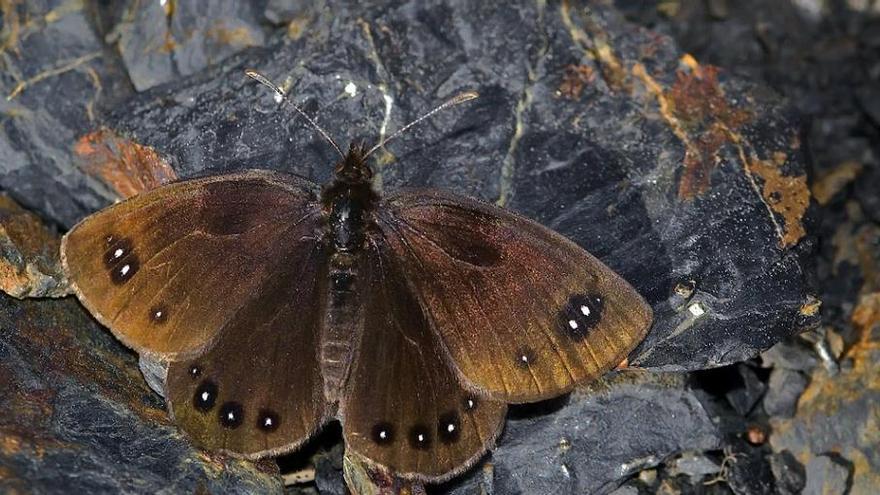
(53, 93)
(77, 417)
(748, 391)
(790, 475)
(839, 413)
(783, 390)
(750, 472)
(594, 440)
(162, 41)
(29, 265)
(824, 476)
(694, 465)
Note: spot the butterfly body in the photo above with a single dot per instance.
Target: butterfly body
(412, 318)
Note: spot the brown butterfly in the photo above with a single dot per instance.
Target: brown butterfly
(413, 319)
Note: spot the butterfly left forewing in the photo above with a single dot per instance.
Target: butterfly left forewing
(524, 313)
(404, 407)
(164, 270)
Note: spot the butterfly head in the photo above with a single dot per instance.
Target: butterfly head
(353, 168)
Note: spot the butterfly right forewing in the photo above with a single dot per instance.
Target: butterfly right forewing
(524, 313)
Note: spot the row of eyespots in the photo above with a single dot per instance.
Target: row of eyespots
(419, 435)
(230, 414)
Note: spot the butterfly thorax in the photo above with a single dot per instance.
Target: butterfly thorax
(348, 204)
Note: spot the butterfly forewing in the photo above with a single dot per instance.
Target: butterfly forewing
(404, 407)
(524, 313)
(166, 269)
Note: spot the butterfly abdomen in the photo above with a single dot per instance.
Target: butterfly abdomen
(348, 205)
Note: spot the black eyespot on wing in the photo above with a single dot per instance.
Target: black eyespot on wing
(580, 314)
(195, 371)
(231, 415)
(525, 357)
(420, 437)
(125, 269)
(449, 427)
(205, 396)
(470, 403)
(268, 421)
(383, 433)
(158, 314)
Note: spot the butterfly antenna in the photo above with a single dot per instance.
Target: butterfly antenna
(455, 100)
(260, 78)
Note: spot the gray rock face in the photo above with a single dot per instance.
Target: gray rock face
(591, 441)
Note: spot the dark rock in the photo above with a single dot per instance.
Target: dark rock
(162, 41)
(791, 354)
(749, 472)
(748, 391)
(52, 95)
(594, 440)
(789, 474)
(29, 263)
(839, 414)
(783, 390)
(694, 465)
(824, 475)
(77, 417)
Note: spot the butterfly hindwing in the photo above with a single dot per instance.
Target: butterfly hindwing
(166, 269)
(404, 407)
(258, 391)
(524, 313)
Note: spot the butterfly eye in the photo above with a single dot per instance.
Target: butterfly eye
(420, 437)
(268, 421)
(449, 427)
(205, 396)
(383, 433)
(231, 415)
(580, 314)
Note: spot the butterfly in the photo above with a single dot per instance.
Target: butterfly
(413, 319)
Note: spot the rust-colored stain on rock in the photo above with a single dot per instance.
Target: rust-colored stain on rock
(698, 103)
(127, 167)
(786, 195)
(574, 79)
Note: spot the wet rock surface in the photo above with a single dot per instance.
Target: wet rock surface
(689, 179)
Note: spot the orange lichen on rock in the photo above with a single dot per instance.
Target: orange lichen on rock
(787, 195)
(830, 183)
(127, 167)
